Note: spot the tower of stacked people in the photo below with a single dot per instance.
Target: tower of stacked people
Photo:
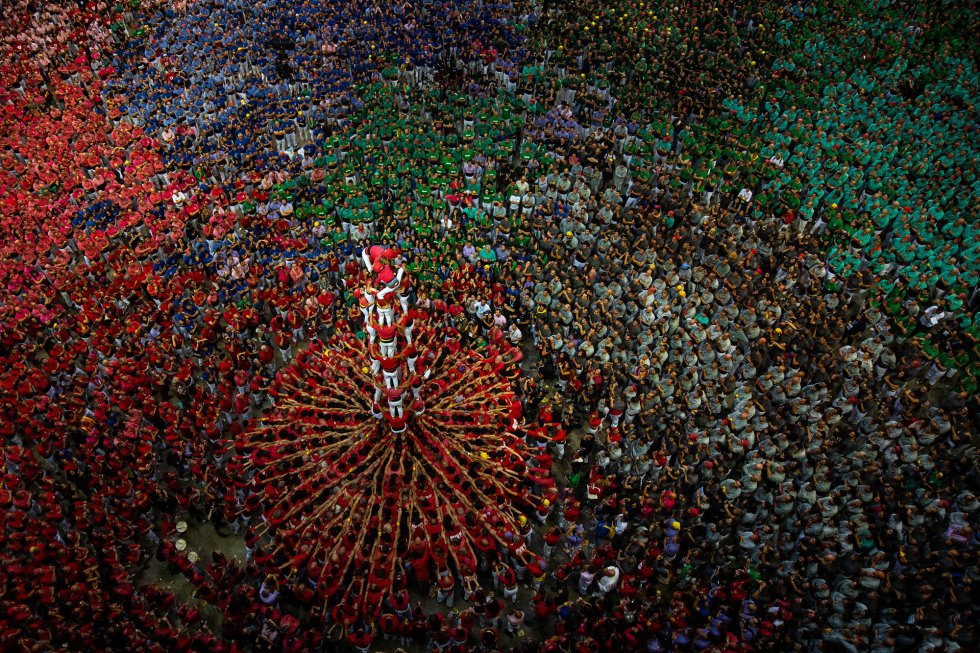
(389, 322)
(394, 452)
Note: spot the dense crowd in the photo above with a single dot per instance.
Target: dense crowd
(736, 241)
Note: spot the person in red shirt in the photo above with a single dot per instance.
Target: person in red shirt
(506, 580)
(389, 625)
(418, 556)
(446, 592)
(360, 638)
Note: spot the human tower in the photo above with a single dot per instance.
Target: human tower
(397, 456)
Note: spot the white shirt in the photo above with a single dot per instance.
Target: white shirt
(932, 316)
(607, 583)
(745, 195)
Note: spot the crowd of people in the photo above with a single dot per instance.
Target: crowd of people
(735, 241)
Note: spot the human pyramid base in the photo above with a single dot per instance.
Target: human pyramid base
(435, 484)
(480, 326)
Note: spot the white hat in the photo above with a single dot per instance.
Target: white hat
(181, 527)
(192, 556)
(180, 545)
